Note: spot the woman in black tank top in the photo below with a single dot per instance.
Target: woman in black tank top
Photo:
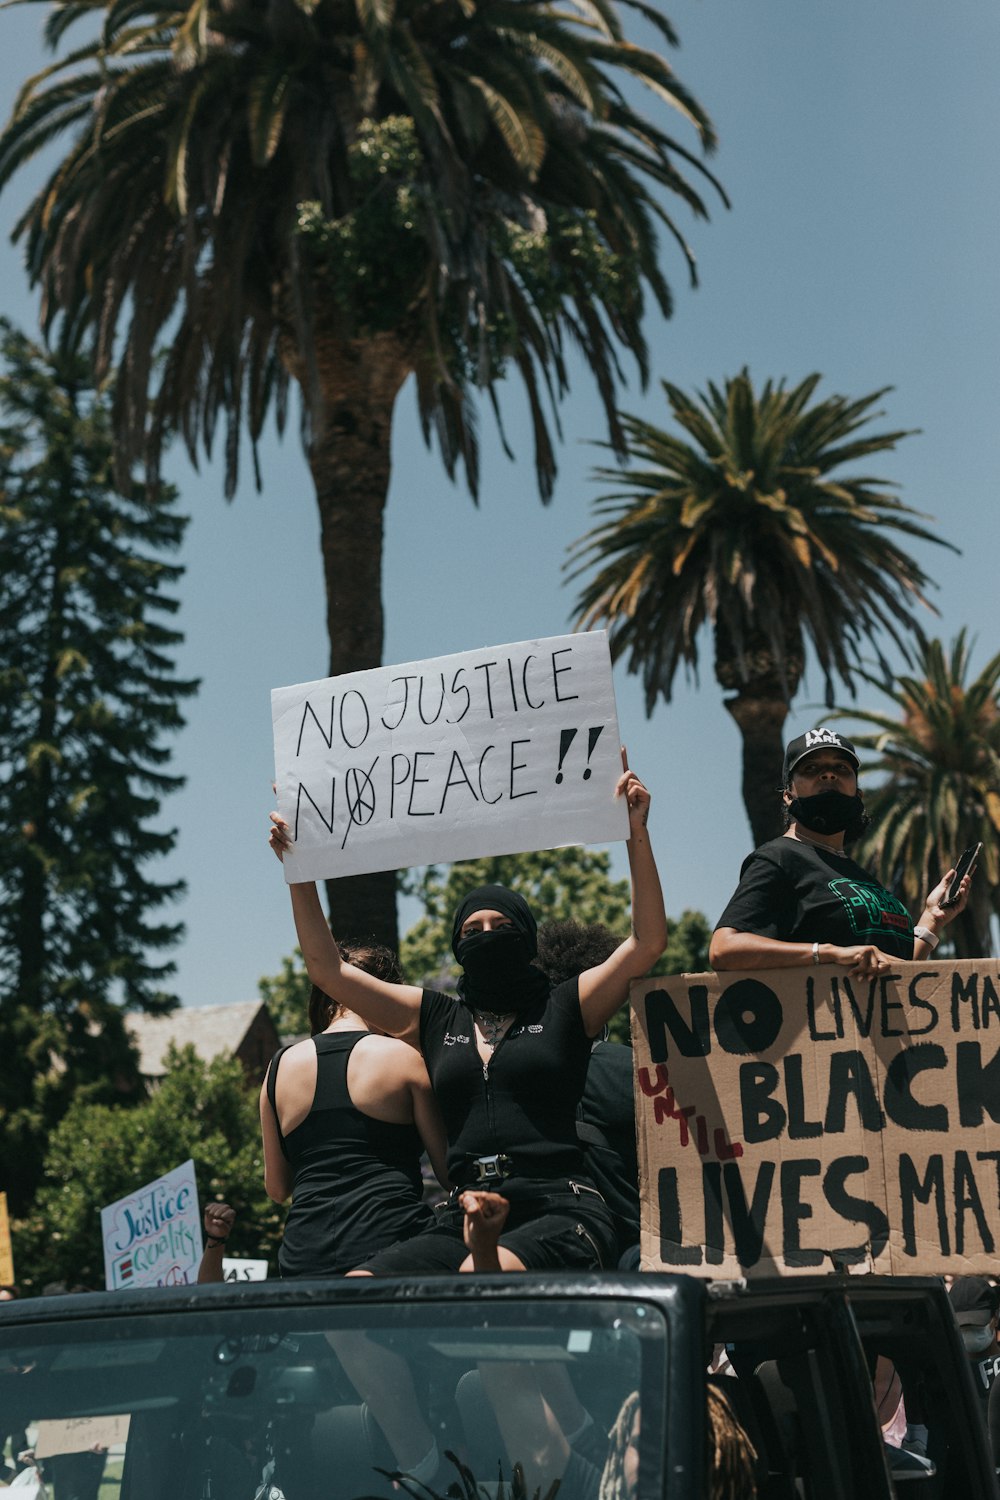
(345, 1117)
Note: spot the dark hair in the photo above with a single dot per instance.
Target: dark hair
(565, 949)
(374, 959)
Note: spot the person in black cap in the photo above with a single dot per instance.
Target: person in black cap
(507, 1062)
(802, 899)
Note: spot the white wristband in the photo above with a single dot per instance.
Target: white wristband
(815, 953)
(926, 936)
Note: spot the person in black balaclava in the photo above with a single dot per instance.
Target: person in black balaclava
(803, 900)
(507, 1062)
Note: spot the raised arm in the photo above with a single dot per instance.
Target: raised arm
(604, 989)
(217, 1223)
(392, 1008)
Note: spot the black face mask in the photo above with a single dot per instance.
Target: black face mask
(977, 1340)
(498, 972)
(830, 812)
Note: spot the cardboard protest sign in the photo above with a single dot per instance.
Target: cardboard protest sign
(80, 1435)
(794, 1120)
(485, 752)
(152, 1237)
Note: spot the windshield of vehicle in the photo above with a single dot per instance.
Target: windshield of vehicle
(483, 1399)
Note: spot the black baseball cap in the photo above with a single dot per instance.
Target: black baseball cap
(974, 1301)
(815, 739)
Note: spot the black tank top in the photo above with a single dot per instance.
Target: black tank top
(356, 1186)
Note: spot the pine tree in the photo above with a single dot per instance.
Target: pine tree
(87, 694)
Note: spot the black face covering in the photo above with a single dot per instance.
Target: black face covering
(830, 812)
(498, 972)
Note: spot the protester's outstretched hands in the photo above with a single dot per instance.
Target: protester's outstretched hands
(636, 795)
(280, 837)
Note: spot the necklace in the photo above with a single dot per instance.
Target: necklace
(491, 1024)
(817, 844)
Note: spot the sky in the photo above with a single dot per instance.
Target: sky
(858, 145)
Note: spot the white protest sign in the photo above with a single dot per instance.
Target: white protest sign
(152, 1237)
(235, 1268)
(494, 751)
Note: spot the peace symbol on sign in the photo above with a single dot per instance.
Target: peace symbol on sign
(360, 791)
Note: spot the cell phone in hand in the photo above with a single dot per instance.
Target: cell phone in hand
(966, 864)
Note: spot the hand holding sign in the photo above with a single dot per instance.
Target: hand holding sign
(279, 835)
(863, 961)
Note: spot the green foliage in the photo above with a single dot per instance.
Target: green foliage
(87, 697)
(286, 995)
(754, 528)
(558, 884)
(754, 524)
(471, 178)
(374, 257)
(687, 946)
(937, 755)
(99, 1153)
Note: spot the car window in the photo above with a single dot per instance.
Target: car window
(246, 1402)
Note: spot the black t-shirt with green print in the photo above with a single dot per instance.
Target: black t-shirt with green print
(803, 894)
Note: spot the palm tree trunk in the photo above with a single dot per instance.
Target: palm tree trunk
(762, 692)
(349, 458)
(761, 723)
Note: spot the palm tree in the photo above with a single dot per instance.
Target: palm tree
(342, 194)
(939, 754)
(753, 528)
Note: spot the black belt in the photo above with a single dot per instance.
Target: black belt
(480, 1171)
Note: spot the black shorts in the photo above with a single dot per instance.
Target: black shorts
(552, 1226)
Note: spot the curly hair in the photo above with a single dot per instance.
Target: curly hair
(731, 1455)
(565, 949)
(373, 959)
(619, 1438)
